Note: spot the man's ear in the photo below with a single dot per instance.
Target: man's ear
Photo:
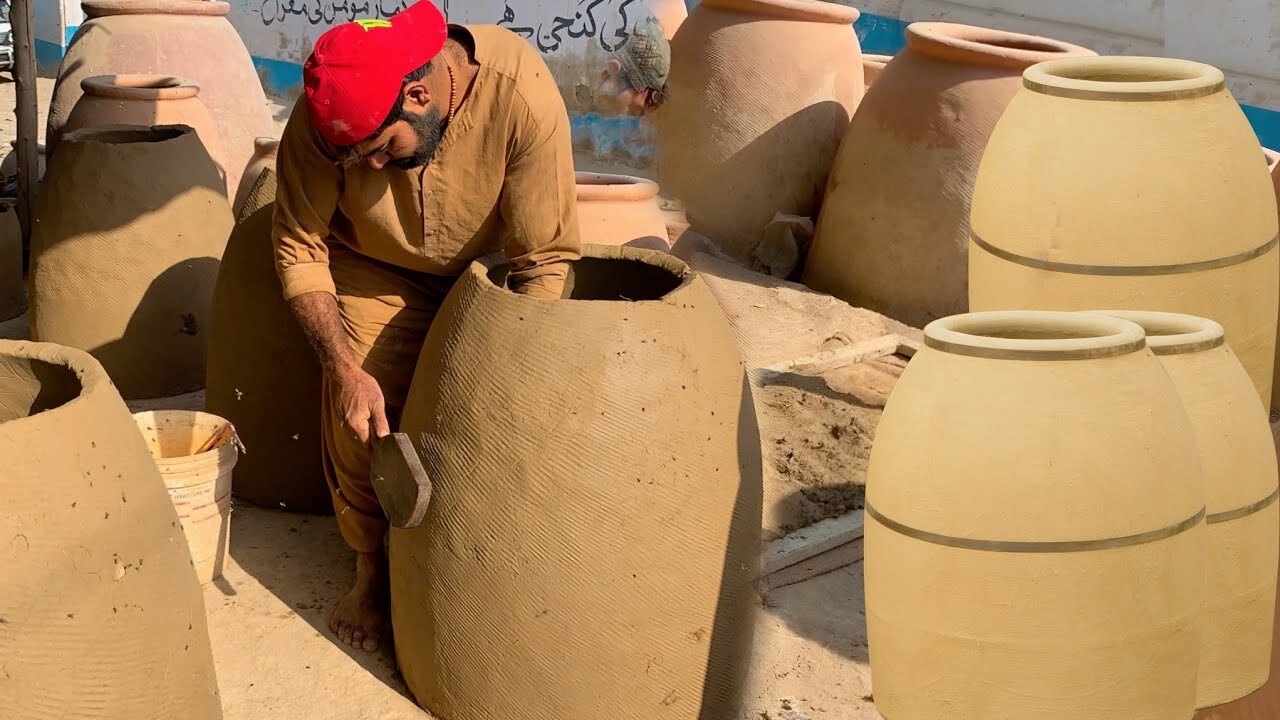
(416, 94)
(611, 69)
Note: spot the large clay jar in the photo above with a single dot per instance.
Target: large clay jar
(1035, 540)
(670, 14)
(1243, 522)
(872, 66)
(103, 617)
(187, 38)
(262, 374)
(145, 100)
(264, 156)
(760, 93)
(130, 225)
(13, 287)
(620, 210)
(1099, 189)
(548, 580)
(894, 230)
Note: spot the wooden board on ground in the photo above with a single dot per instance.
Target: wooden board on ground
(808, 542)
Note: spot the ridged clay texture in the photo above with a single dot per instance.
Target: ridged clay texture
(1130, 184)
(1243, 520)
(264, 156)
(102, 615)
(620, 210)
(131, 224)
(894, 231)
(760, 94)
(146, 100)
(187, 38)
(591, 544)
(262, 374)
(13, 287)
(1014, 451)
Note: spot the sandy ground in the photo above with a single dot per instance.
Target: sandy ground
(267, 613)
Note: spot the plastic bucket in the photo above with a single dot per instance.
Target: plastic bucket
(199, 483)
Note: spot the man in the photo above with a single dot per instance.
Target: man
(634, 80)
(419, 147)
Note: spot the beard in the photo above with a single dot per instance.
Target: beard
(429, 128)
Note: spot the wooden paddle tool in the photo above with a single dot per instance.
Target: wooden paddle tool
(400, 480)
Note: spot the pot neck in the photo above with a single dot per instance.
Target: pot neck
(204, 8)
(794, 10)
(970, 45)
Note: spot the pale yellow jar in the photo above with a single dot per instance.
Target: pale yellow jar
(1034, 535)
(1131, 183)
(1243, 522)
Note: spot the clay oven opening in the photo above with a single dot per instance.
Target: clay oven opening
(1020, 43)
(120, 135)
(31, 386)
(607, 279)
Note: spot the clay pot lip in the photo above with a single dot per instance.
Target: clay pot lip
(1053, 335)
(266, 144)
(480, 269)
(1172, 333)
(798, 10)
(140, 87)
(127, 134)
(596, 187)
(224, 456)
(876, 60)
(1131, 79)
(103, 8)
(89, 373)
(973, 45)
(1273, 159)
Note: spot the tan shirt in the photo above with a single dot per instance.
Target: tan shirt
(501, 180)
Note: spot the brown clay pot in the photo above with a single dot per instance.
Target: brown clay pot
(760, 93)
(129, 228)
(573, 599)
(671, 14)
(186, 38)
(103, 617)
(620, 210)
(872, 66)
(264, 156)
(262, 375)
(894, 231)
(13, 287)
(146, 100)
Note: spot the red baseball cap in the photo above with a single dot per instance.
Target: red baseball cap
(354, 75)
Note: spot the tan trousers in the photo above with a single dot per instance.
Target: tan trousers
(386, 312)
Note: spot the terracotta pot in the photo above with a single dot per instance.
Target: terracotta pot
(620, 210)
(563, 486)
(872, 66)
(760, 93)
(894, 231)
(13, 287)
(1050, 511)
(262, 374)
(1243, 521)
(671, 14)
(264, 156)
(185, 38)
(146, 100)
(103, 617)
(1264, 704)
(130, 225)
(1066, 220)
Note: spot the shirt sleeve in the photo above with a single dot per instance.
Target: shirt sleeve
(539, 196)
(309, 183)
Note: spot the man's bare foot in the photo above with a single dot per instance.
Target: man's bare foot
(360, 616)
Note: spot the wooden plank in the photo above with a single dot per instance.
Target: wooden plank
(832, 359)
(821, 564)
(24, 73)
(810, 541)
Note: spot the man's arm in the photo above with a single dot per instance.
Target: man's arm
(539, 197)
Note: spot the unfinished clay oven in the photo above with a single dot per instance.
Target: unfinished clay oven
(13, 287)
(103, 617)
(145, 100)
(186, 38)
(130, 225)
(262, 374)
(264, 156)
(1243, 521)
(1065, 219)
(734, 157)
(620, 210)
(1046, 460)
(894, 230)
(590, 547)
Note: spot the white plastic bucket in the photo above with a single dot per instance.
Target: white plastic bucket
(199, 483)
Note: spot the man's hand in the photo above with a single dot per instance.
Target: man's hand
(356, 396)
(358, 401)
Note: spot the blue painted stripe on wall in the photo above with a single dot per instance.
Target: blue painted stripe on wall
(71, 30)
(279, 77)
(48, 56)
(1266, 123)
(880, 35)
